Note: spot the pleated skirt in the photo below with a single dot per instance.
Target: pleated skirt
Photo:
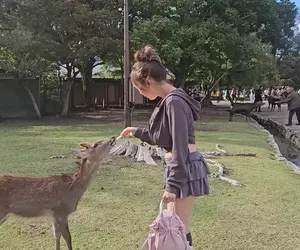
(196, 182)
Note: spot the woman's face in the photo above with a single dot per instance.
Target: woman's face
(146, 89)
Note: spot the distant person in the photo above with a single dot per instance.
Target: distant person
(274, 92)
(266, 94)
(233, 95)
(252, 95)
(258, 98)
(219, 95)
(282, 90)
(293, 101)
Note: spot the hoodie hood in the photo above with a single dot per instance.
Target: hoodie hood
(194, 105)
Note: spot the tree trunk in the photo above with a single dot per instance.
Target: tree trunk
(87, 74)
(31, 96)
(207, 101)
(66, 97)
(180, 82)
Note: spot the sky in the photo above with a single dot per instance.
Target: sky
(297, 2)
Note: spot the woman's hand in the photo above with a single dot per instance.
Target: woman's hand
(169, 197)
(128, 132)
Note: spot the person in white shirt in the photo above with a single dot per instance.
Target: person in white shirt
(266, 94)
(252, 95)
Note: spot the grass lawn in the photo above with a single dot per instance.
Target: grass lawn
(122, 200)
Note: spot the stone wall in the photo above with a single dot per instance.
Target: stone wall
(288, 133)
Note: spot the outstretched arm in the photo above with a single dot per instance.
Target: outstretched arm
(286, 100)
(143, 135)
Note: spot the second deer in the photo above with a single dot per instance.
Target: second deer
(54, 196)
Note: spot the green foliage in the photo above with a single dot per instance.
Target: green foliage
(198, 40)
(290, 70)
(69, 34)
(203, 40)
(19, 55)
(72, 32)
(289, 63)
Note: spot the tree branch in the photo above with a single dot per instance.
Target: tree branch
(97, 64)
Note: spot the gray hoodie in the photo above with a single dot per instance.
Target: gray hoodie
(171, 127)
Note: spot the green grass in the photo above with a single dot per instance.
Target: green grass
(122, 200)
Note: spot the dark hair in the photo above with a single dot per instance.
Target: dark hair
(147, 64)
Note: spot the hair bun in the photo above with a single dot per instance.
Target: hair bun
(147, 54)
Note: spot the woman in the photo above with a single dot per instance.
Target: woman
(171, 127)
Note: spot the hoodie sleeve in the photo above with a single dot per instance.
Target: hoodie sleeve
(143, 135)
(178, 126)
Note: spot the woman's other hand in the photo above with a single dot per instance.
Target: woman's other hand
(128, 132)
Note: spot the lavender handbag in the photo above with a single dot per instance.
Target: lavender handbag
(167, 232)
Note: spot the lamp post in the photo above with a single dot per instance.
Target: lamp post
(127, 116)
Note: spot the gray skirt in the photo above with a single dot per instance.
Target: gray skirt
(197, 180)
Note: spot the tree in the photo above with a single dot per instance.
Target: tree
(18, 56)
(200, 37)
(289, 63)
(203, 40)
(273, 21)
(280, 29)
(71, 34)
(178, 35)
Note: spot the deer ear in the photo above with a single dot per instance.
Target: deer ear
(85, 145)
(98, 143)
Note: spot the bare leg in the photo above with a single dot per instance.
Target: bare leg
(183, 208)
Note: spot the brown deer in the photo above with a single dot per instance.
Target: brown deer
(54, 196)
(245, 108)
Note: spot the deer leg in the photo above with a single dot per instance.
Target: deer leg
(67, 236)
(65, 232)
(57, 234)
(230, 115)
(3, 214)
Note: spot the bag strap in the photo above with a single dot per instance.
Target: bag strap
(161, 207)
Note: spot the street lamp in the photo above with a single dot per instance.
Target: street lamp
(127, 116)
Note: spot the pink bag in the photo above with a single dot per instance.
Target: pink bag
(167, 232)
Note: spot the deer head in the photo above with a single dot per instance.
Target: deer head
(95, 152)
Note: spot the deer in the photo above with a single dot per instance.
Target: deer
(54, 196)
(245, 108)
(272, 103)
